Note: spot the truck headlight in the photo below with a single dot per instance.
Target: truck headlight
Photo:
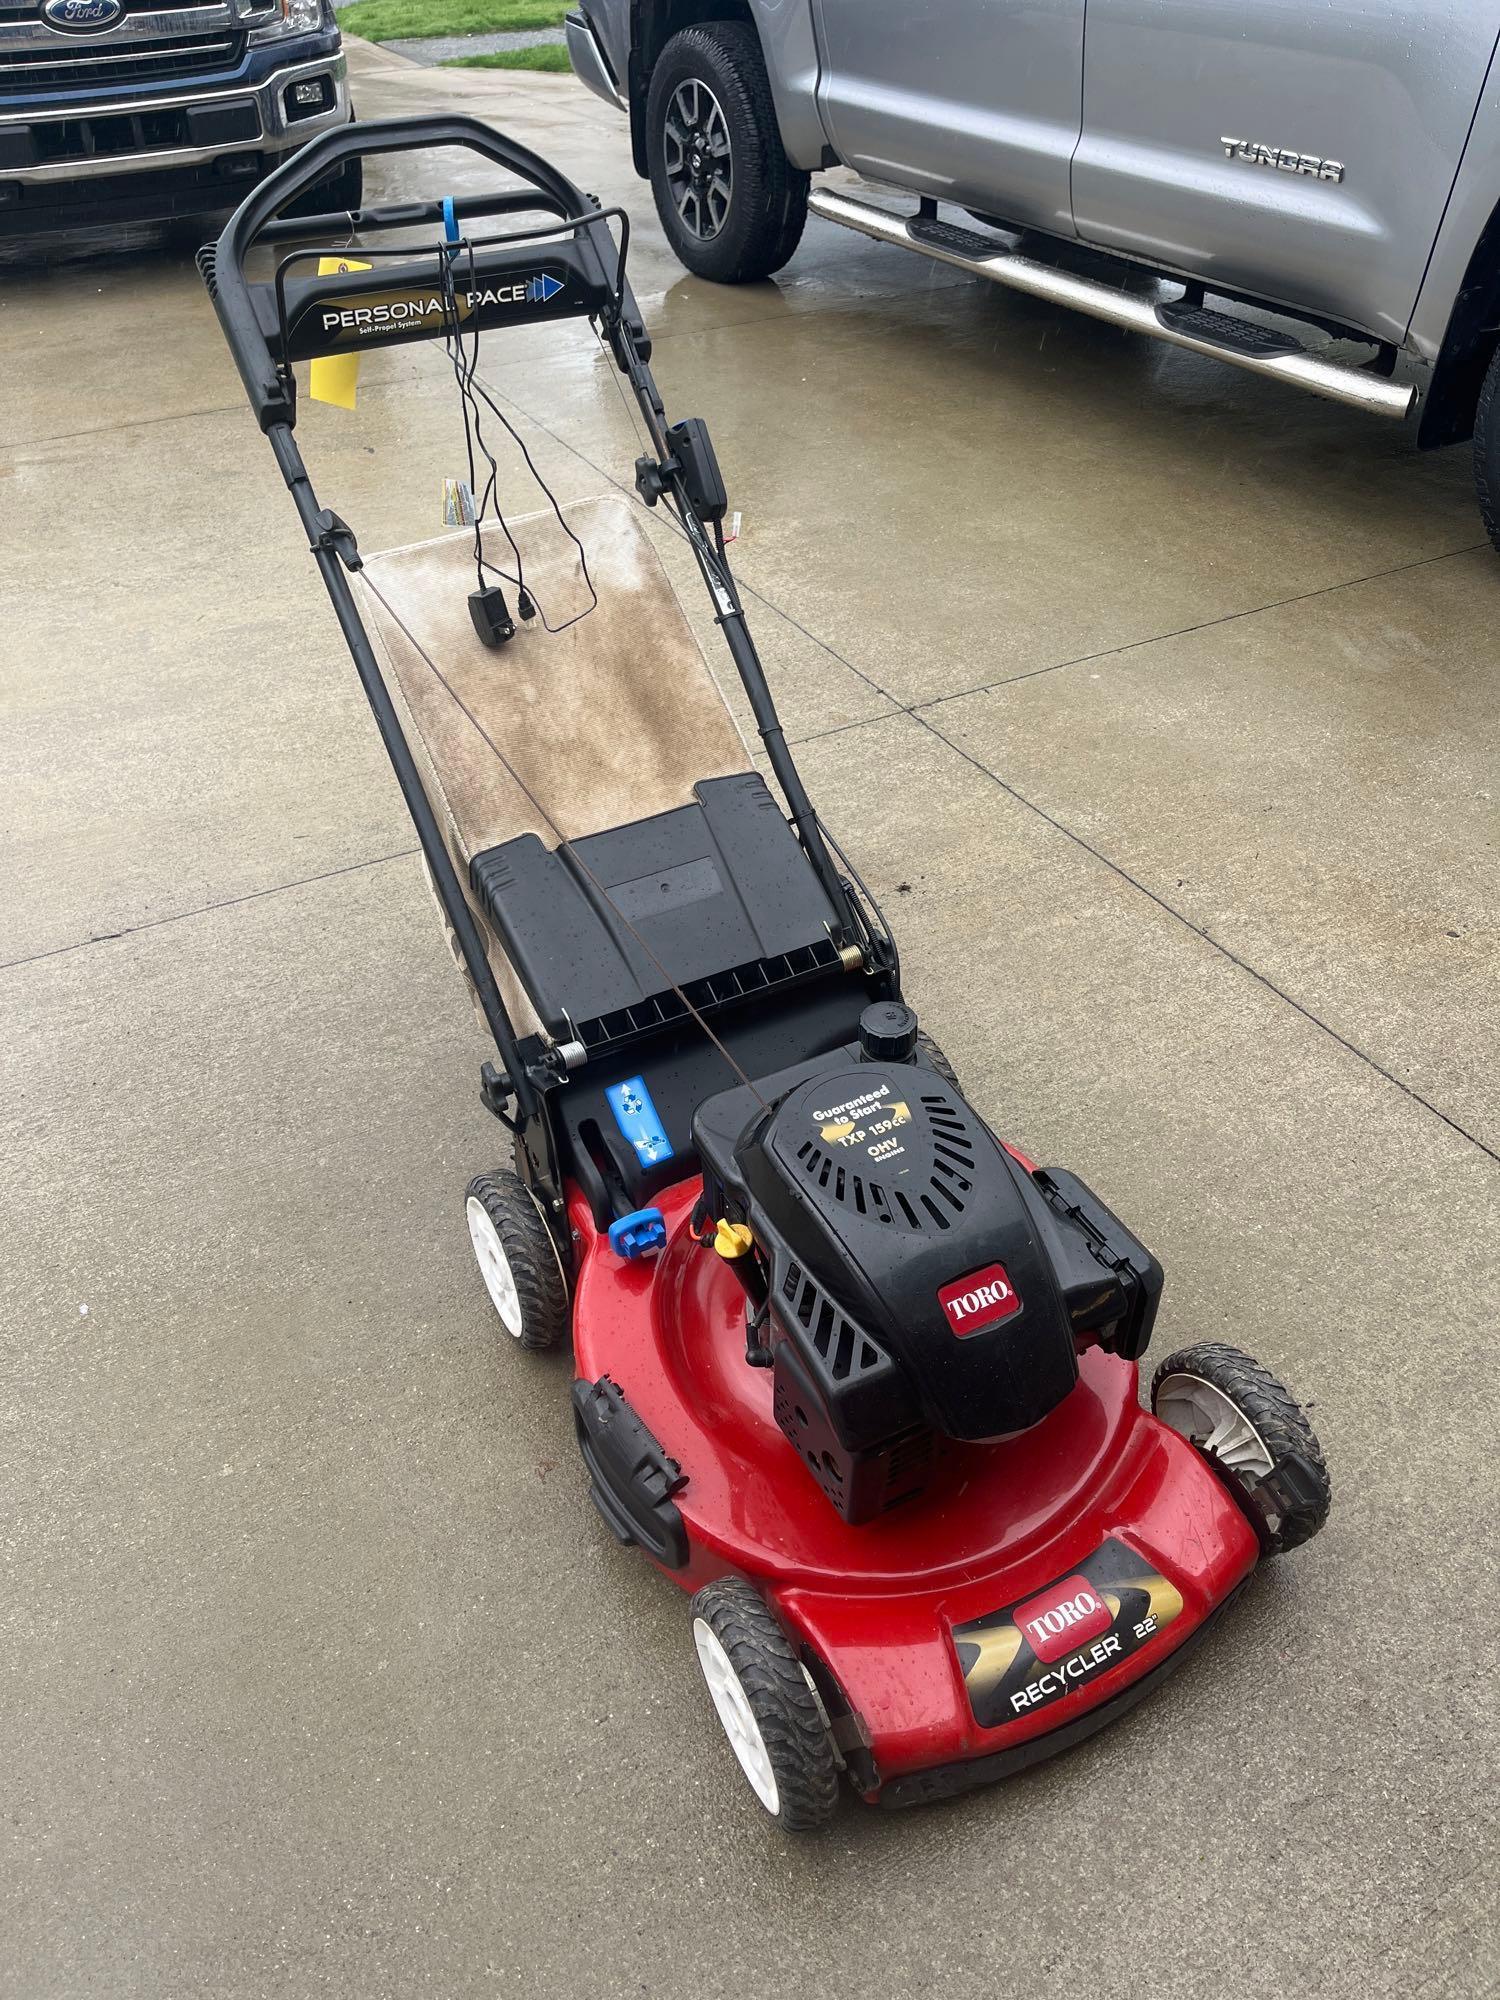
(287, 17)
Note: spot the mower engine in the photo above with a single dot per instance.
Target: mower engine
(907, 1279)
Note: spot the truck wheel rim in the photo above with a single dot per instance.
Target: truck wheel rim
(697, 158)
(1214, 1422)
(494, 1266)
(736, 1716)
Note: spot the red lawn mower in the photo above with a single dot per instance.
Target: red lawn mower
(849, 1368)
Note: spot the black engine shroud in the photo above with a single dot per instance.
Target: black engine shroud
(908, 1277)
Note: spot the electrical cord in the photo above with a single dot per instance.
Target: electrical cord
(453, 347)
(465, 367)
(583, 559)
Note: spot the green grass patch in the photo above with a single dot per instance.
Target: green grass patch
(408, 20)
(545, 55)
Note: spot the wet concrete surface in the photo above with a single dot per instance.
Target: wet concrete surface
(1157, 705)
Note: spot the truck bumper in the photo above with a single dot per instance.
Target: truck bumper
(145, 157)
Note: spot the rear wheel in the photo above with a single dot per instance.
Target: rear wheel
(765, 1704)
(938, 1060)
(517, 1259)
(1242, 1418)
(732, 204)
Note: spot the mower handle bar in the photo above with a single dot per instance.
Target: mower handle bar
(404, 214)
(255, 221)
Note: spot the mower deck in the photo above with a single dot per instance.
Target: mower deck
(906, 1619)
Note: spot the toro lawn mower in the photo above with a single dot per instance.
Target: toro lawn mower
(849, 1369)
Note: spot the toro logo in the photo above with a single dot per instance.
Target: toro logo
(1063, 1618)
(981, 1300)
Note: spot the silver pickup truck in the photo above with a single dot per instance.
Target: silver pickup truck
(1336, 165)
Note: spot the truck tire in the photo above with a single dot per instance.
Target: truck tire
(731, 202)
(343, 190)
(1487, 450)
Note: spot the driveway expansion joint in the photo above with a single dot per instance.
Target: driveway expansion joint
(205, 909)
(1215, 944)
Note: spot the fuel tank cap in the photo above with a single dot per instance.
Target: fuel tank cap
(887, 1032)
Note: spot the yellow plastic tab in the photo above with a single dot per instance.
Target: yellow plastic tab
(334, 378)
(733, 1239)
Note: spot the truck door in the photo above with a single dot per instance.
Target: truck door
(973, 101)
(1300, 152)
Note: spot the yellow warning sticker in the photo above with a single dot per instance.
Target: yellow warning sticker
(335, 377)
(866, 1120)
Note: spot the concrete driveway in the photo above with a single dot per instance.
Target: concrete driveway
(1160, 709)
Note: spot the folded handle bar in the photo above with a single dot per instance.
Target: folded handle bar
(224, 268)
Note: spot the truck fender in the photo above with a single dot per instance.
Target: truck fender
(785, 32)
(1456, 319)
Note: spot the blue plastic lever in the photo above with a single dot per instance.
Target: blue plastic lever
(638, 1234)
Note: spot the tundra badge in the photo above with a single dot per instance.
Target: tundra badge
(1287, 158)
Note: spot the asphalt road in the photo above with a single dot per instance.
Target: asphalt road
(1160, 707)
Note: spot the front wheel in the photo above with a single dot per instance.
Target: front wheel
(1243, 1420)
(766, 1705)
(731, 202)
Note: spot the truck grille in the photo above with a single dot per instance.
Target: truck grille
(153, 42)
(23, 70)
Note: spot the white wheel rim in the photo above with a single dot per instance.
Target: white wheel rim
(736, 1716)
(1215, 1422)
(494, 1266)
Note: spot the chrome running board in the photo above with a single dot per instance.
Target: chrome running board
(987, 257)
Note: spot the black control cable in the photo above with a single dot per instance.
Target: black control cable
(465, 366)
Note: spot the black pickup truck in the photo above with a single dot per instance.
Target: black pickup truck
(141, 110)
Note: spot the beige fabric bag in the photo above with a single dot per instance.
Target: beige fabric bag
(611, 721)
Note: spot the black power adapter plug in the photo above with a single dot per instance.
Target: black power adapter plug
(491, 616)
